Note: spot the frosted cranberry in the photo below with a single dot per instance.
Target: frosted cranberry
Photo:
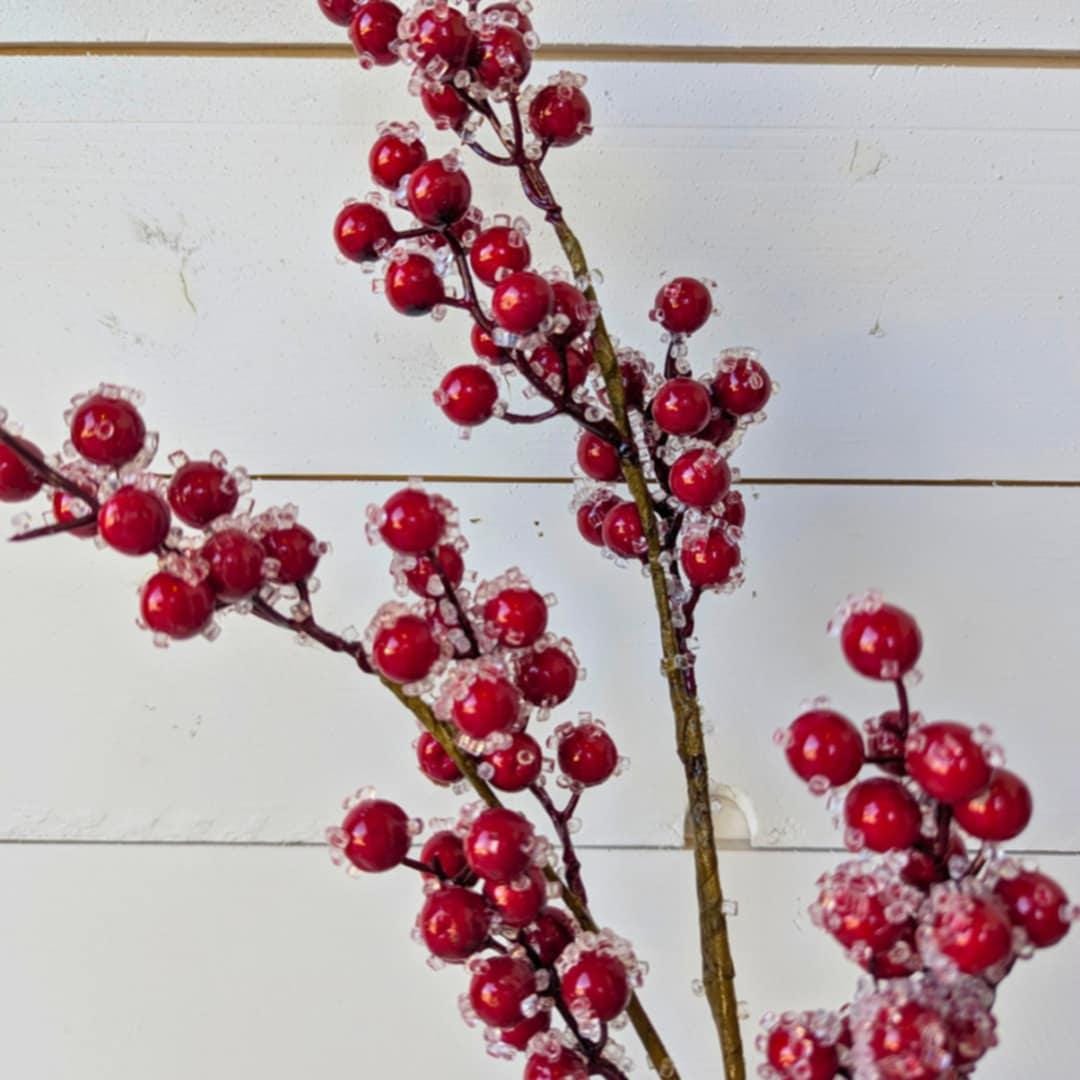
(518, 903)
(200, 492)
(18, 481)
(560, 115)
(519, 1035)
(405, 651)
(500, 57)
(884, 812)
(854, 913)
(681, 406)
(719, 429)
(378, 835)
(946, 762)
(373, 30)
(499, 988)
(922, 869)
(588, 755)
(445, 854)
(510, 13)
(550, 934)
(1038, 904)
(516, 766)
(454, 923)
(363, 232)
(450, 565)
(623, 532)
(598, 980)
(413, 285)
(441, 34)
(824, 743)
(133, 521)
(709, 558)
(792, 1047)
(107, 430)
(296, 551)
(516, 617)
(548, 360)
(881, 644)
(445, 106)
(910, 1042)
(572, 304)
(393, 157)
(635, 381)
(338, 11)
(483, 344)
(599, 460)
(435, 763)
(973, 932)
(498, 845)
(412, 523)
(521, 302)
(438, 193)
(743, 386)
(734, 510)
(591, 515)
(699, 477)
(999, 813)
(684, 305)
(569, 1065)
(172, 606)
(546, 677)
(898, 961)
(489, 704)
(498, 251)
(467, 395)
(236, 563)
(67, 508)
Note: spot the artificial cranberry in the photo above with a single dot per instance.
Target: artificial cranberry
(560, 115)
(699, 477)
(18, 481)
(569, 1065)
(946, 762)
(719, 429)
(500, 57)
(551, 932)
(439, 192)
(445, 106)
(445, 854)
(516, 617)
(923, 868)
(588, 755)
(435, 763)
(709, 558)
(522, 301)
(413, 285)
(467, 395)
(684, 305)
(681, 406)
(973, 932)
(133, 521)
(519, 1035)
(518, 903)
(599, 460)
(454, 923)
(499, 987)
(734, 510)
(67, 508)
(548, 361)
(393, 156)
(378, 835)
(853, 911)
(574, 308)
(373, 31)
(793, 1046)
(107, 430)
(881, 644)
(362, 232)
(599, 980)
(440, 34)
(742, 386)
(498, 845)
(546, 676)
(296, 552)
(883, 813)
(635, 381)
(412, 523)
(910, 1042)
(623, 532)
(516, 766)
(174, 607)
(1038, 904)
(338, 11)
(489, 704)
(509, 14)
(236, 563)
(822, 743)
(591, 515)
(200, 492)
(405, 651)
(898, 961)
(447, 564)
(483, 344)
(498, 251)
(1000, 812)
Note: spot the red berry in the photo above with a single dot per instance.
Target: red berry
(67, 508)
(973, 932)
(599, 460)
(519, 1035)
(498, 251)
(591, 515)
(572, 304)
(946, 762)
(910, 1042)
(518, 903)
(467, 395)
(509, 14)
(450, 564)
(1000, 812)
(599, 980)
(363, 232)
(445, 854)
(373, 30)
(924, 869)
(440, 34)
(405, 651)
(742, 386)
(852, 909)
(522, 301)
(822, 743)
(551, 932)
(699, 477)
(489, 704)
(393, 156)
(500, 57)
(413, 285)
(338, 11)
(881, 644)
(516, 766)
(445, 106)
(498, 845)
(435, 763)
(296, 552)
(708, 558)
(548, 362)
(174, 607)
(684, 305)
(719, 429)
(587, 755)
(413, 524)
(884, 815)
(499, 987)
(792, 1047)
(236, 563)
(560, 115)
(378, 835)
(516, 617)
(107, 430)
(623, 532)
(200, 492)
(454, 923)
(18, 481)
(439, 192)
(734, 510)
(484, 346)
(569, 1065)
(133, 521)
(1038, 904)
(546, 676)
(681, 406)
(635, 381)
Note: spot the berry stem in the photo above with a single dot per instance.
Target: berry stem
(459, 609)
(536, 418)
(55, 528)
(560, 820)
(905, 707)
(423, 868)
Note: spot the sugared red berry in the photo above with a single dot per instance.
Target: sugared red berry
(439, 192)
(515, 767)
(709, 558)
(1037, 903)
(681, 406)
(794, 1051)
(572, 308)
(684, 305)
(588, 755)
(174, 607)
(519, 1035)
(413, 524)
(378, 835)
(568, 1065)
(338, 11)
(413, 285)
(440, 33)
(882, 815)
(107, 430)
(742, 386)
(516, 617)
(560, 115)
(883, 643)
(508, 13)
(489, 704)
(822, 743)
(236, 563)
(467, 395)
(972, 931)
(451, 567)
(445, 106)
(1000, 812)
(599, 981)
(362, 232)
(521, 302)
(393, 156)
(518, 902)
(852, 907)
(483, 344)
(405, 651)
(599, 460)
(946, 762)
(373, 30)
(499, 988)
(551, 932)
(498, 251)
(500, 57)
(435, 763)
(623, 532)
(133, 521)
(454, 923)
(498, 845)
(720, 428)
(546, 676)
(445, 854)
(200, 492)
(734, 510)
(67, 508)
(910, 1042)
(550, 362)
(296, 552)
(699, 477)
(591, 515)
(18, 481)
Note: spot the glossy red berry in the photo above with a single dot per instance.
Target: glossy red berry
(445, 106)
(683, 305)
(413, 524)
(489, 704)
(200, 492)
(734, 510)
(435, 763)
(571, 307)
(296, 552)
(483, 344)
(924, 869)
(569, 1065)
(18, 481)
(822, 743)
(742, 386)
(519, 1035)
(339, 11)
(522, 301)
(1037, 903)
(377, 834)
(560, 115)
(500, 57)
(972, 931)
(450, 566)
(363, 232)
(1000, 812)
(413, 285)
(67, 508)
(882, 815)
(681, 406)
(107, 430)
(439, 192)
(588, 755)
(516, 617)
(599, 460)
(721, 426)
(405, 650)
(393, 156)
(467, 395)
(600, 982)
(373, 31)
(946, 762)
(699, 477)
(635, 381)
(853, 911)
(884, 643)
(910, 1042)
(515, 767)
(509, 14)
(794, 1051)
(133, 521)
(445, 854)
(174, 607)
(440, 34)
(623, 532)
(548, 362)
(236, 563)
(591, 515)
(498, 251)
(454, 923)
(546, 676)
(709, 558)
(551, 932)
(498, 845)
(518, 902)
(499, 987)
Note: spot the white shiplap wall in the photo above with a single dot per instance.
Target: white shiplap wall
(900, 240)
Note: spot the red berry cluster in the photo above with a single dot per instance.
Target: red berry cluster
(935, 926)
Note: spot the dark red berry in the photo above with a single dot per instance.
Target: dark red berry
(560, 115)
(591, 514)
(67, 508)
(522, 301)
(946, 762)
(588, 755)
(699, 477)
(572, 304)
(435, 763)
(498, 845)
(1038, 904)
(923, 868)
(734, 510)
(683, 306)
(490, 704)
(498, 251)
(484, 346)
(518, 903)
(635, 381)
(1001, 812)
(884, 643)
(600, 982)
(681, 406)
(883, 814)
(519, 1035)
(551, 932)
(373, 31)
(909, 1042)
(440, 34)
(742, 386)
(599, 460)
(296, 552)
(445, 106)
(412, 523)
(445, 854)
(393, 156)
(405, 651)
(499, 988)
(378, 835)
(509, 14)
(236, 563)
(516, 617)
(338, 11)
(107, 430)
(546, 676)
(133, 521)
(709, 558)
(623, 532)
(500, 57)
(18, 481)
(719, 429)
(454, 923)
(853, 911)
(413, 285)
(439, 192)
(548, 361)
(467, 395)
(174, 607)
(793, 1046)
(451, 566)
(822, 743)
(363, 232)
(972, 931)
(200, 492)
(517, 766)
(569, 1065)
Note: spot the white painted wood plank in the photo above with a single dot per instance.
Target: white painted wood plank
(124, 962)
(254, 739)
(1004, 24)
(901, 244)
